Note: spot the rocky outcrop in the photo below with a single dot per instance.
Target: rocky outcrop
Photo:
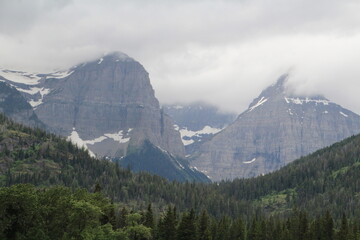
(276, 129)
(107, 105)
(15, 106)
(197, 122)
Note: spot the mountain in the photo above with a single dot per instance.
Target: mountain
(277, 128)
(107, 105)
(326, 179)
(155, 160)
(197, 122)
(14, 105)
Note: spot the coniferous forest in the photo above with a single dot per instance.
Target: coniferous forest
(51, 189)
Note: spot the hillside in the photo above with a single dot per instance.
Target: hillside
(328, 179)
(278, 127)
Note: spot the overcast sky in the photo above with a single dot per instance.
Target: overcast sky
(222, 52)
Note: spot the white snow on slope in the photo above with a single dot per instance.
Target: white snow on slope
(100, 60)
(30, 91)
(345, 115)
(20, 77)
(306, 100)
(60, 74)
(205, 130)
(96, 140)
(251, 161)
(260, 102)
(75, 139)
(187, 142)
(43, 92)
(189, 133)
(119, 136)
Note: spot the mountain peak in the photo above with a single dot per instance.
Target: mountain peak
(114, 57)
(278, 127)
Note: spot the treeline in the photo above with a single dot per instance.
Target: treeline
(327, 179)
(54, 213)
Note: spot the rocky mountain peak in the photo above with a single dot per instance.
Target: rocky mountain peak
(277, 128)
(106, 105)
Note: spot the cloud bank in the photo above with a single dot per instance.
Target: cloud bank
(222, 52)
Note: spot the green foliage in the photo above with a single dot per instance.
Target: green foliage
(242, 209)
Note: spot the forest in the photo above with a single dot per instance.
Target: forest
(27, 212)
(315, 197)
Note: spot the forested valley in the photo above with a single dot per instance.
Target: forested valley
(69, 195)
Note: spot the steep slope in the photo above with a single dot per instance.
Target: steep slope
(326, 179)
(277, 128)
(197, 122)
(158, 161)
(15, 106)
(107, 105)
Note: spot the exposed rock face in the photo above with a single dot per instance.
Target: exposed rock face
(197, 122)
(107, 106)
(15, 106)
(157, 161)
(276, 129)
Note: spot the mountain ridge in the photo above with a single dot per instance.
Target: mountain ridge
(276, 129)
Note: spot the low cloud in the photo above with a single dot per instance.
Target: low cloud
(222, 52)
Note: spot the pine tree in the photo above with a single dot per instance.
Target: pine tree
(203, 226)
(149, 217)
(122, 218)
(187, 227)
(167, 226)
(344, 229)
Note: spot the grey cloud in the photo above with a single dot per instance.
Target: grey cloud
(223, 52)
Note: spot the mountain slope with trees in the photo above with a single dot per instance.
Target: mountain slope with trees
(325, 180)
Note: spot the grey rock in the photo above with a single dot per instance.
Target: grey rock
(106, 105)
(15, 106)
(276, 129)
(197, 122)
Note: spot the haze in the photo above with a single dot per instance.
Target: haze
(222, 52)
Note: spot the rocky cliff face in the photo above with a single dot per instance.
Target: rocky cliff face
(107, 105)
(197, 122)
(15, 106)
(276, 129)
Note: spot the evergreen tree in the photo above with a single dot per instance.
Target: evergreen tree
(344, 229)
(203, 226)
(187, 227)
(149, 217)
(167, 226)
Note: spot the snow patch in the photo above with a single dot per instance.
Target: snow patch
(301, 101)
(176, 127)
(260, 102)
(345, 115)
(180, 165)
(251, 161)
(100, 60)
(59, 74)
(30, 91)
(75, 139)
(20, 77)
(185, 133)
(96, 140)
(326, 112)
(43, 92)
(118, 137)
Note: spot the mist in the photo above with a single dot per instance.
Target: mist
(221, 52)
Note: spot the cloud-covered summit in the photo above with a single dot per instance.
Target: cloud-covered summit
(222, 52)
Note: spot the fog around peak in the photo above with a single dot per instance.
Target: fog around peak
(223, 52)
